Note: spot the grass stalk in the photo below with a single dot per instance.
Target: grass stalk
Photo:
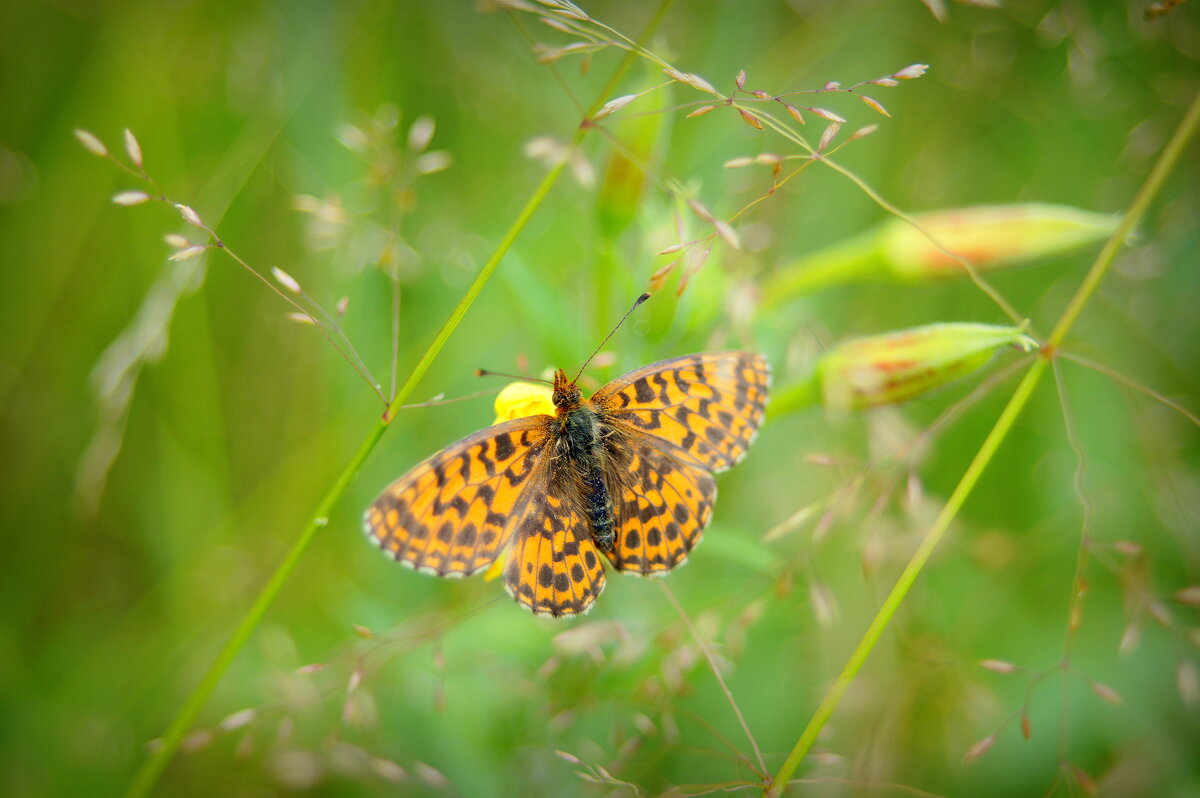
(150, 771)
(1150, 188)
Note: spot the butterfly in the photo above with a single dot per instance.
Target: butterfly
(626, 475)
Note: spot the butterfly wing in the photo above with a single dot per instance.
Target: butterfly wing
(661, 501)
(553, 567)
(708, 405)
(452, 514)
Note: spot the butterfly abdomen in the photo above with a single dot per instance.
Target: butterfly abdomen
(581, 435)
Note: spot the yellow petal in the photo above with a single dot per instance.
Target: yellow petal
(521, 399)
(496, 567)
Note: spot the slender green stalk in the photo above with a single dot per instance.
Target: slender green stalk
(1154, 182)
(150, 771)
(148, 774)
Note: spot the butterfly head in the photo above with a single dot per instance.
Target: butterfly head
(566, 395)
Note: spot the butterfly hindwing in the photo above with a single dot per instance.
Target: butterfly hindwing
(661, 502)
(709, 405)
(553, 567)
(450, 515)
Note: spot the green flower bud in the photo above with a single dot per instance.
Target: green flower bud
(895, 367)
(989, 236)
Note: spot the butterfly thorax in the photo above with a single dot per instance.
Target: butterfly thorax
(581, 450)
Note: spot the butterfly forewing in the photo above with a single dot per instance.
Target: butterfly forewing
(451, 514)
(709, 405)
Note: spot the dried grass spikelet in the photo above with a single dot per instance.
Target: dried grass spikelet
(130, 198)
(91, 143)
(980, 748)
(612, 106)
(133, 149)
(187, 253)
(286, 280)
(874, 105)
(827, 115)
(695, 81)
(750, 119)
(190, 216)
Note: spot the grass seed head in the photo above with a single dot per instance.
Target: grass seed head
(750, 119)
(1107, 693)
(286, 280)
(131, 198)
(827, 115)
(388, 770)
(188, 253)
(236, 720)
(421, 133)
(827, 137)
(190, 216)
(91, 143)
(1189, 595)
(980, 748)
(432, 162)
(133, 149)
(863, 132)
(873, 104)
(1187, 681)
(910, 72)
(614, 105)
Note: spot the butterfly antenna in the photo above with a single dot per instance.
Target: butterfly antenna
(489, 373)
(636, 302)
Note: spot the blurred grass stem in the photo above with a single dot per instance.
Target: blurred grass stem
(712, 664)
(1149, 190)
(150, 771)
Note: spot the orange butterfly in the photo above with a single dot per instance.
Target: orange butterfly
(626, 473)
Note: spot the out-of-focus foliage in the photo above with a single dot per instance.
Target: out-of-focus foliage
(167, 429)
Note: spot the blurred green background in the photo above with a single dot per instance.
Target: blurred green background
(167, 431)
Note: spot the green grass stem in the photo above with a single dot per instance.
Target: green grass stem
(1154, 182)
(150, 771)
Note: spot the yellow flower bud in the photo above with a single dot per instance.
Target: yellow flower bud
(520, 399)
(898, 366)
